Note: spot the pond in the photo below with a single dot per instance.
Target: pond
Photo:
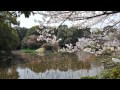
(62, 66)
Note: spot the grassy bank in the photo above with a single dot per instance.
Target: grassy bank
(113, 73)
(28, 51)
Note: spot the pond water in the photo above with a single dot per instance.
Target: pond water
(26, 73)
(67, 67)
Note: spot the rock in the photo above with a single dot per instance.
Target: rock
(40, 50)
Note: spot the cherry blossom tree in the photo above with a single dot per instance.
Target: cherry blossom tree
(80, 18)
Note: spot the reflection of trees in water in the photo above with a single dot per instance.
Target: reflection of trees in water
(86, 56)
(26, 73)
(7, 66)
(8, 73)
(65, 62)
(7, 61)
(62, 62)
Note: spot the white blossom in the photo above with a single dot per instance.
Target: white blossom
(115, 42)
(84, 42)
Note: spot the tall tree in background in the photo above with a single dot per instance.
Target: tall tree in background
(8, 36)
(21, 32)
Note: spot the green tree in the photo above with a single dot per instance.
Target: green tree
(62, 33)
(21, 32)
(8, 36)
(32, 31)
(71, 35)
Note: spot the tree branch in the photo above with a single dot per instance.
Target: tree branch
(104, 13)
(67, 18)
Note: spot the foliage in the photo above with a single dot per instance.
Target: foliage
(37, 36)
(18, 13)
(109, 29)
(63, 27)
(32, 31)
(84, 42)
(8, 38)
(98, 32)
(21, 32)
(89, 77)
(26, 13)
(61, 34)
(6, 18)
(29, 51)
(114, 43)
(107, 52)
(31, 42)
(71, 35)
(113, 73)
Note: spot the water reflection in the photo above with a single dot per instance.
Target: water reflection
(56, 73)
(36, 71)
(26, 73)
(59, 66)
(9, 73)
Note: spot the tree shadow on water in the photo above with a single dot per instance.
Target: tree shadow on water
(8, 62)
(10, 59)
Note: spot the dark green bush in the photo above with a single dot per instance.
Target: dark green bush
(31, 46)
(8, 38)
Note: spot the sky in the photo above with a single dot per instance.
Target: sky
(29, 22)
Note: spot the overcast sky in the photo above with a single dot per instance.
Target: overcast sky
(29, 22)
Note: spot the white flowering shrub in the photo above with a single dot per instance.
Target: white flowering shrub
(84, 42)
(80, 45)
(48, 37)
(70, 48)
(114, 43)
